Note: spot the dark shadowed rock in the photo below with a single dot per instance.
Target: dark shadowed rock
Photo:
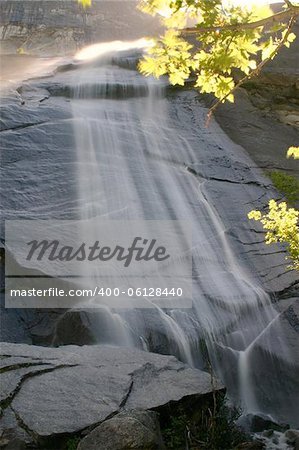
(12, 444)
(293, 437)
(260, 423)
(128, 430)
(256, 445)
(73, 328)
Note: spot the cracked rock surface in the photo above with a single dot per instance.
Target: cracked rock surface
(67, 389)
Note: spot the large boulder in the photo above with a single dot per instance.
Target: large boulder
(57, 391)
(128, 430)
(293, 437)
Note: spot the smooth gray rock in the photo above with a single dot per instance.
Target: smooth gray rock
(79, 387)
(128, 430)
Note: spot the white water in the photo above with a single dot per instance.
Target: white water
(131, 157)
(277, 441)
(94, 51)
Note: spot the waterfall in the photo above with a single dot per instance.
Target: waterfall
(132, 154)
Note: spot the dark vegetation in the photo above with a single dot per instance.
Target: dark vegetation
(208, 426)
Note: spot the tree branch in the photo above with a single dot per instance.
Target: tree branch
(257, 70)
(288, 3)
(292, 11)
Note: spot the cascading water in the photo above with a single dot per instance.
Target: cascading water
(132, 158)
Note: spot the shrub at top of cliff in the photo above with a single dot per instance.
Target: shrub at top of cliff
(227, 37)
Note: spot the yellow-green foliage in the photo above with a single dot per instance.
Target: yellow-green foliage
(293, 152)
(218, 50)
(85, 3)
(281, 225)
(173, 58)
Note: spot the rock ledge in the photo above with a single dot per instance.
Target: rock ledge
(48, 392)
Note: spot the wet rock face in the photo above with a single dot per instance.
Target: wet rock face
(58, 28)
(51, 391)
(36, 117)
